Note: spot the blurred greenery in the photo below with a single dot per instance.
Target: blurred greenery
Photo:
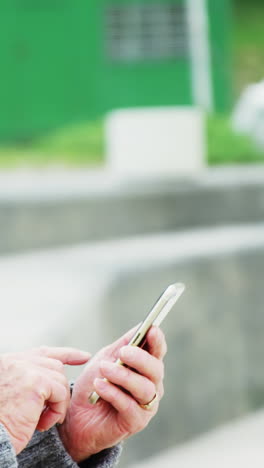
(83, 145)
(226, 147)
(248, 43)
(77, 145)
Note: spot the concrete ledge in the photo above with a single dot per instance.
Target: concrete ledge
(88, 295)
(238, 444)
(47, 209)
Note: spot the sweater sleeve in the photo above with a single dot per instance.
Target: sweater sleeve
(46, 450)
(7, 452)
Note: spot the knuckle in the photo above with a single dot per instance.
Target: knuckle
(129, 406)
(43, 350)
(66, 385)
(40, 389)
(114, 392)
(40, 379)
(59, 378)
(44, 379)
(16, 366)
(148, 392)
(64, 379)
(9, 362)
(59, 365)
(124, 372)
(64, 394)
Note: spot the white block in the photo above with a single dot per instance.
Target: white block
(165, 141)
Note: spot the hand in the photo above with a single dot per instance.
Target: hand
(34, 392)
(88, 429)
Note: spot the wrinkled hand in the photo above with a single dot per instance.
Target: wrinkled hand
(88, 429)
(34, 392)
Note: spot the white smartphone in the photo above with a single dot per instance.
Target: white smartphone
(157, 314)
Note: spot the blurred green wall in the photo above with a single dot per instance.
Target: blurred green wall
(56, 70)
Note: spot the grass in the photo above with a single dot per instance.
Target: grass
(77, 145)
(226, 147)
(83, 145)
(248, 43)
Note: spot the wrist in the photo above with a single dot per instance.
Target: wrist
(64, 433)
(70, 445)
(63, 436)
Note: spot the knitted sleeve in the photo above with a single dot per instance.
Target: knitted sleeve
(45, 450)
(7, 453)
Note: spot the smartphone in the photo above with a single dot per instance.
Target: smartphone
(157, 314)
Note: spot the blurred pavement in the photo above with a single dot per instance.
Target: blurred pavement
(239, 444)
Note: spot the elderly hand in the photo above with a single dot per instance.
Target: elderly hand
(88, 429)
(34, 391)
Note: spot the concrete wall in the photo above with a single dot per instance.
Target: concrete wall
(214, 368)
(239, 443)
(88, 295)
(50, 209)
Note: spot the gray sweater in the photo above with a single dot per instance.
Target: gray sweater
(45, 450)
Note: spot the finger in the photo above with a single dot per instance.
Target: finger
(132, 417)
(124, 340)
(141, 388)
(53, 375)
(48, 363)
(56, 397)
(53, 414)
(62, 380)
(156, 343)
(143, 362)
(122, 402)
(71, 356)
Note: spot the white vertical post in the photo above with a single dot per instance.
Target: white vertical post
(198, 24)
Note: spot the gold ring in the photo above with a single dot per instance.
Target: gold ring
(149, 405)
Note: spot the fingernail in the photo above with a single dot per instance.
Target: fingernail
(80, 358)
(85, 354)
(126, 352)
(99, 383)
